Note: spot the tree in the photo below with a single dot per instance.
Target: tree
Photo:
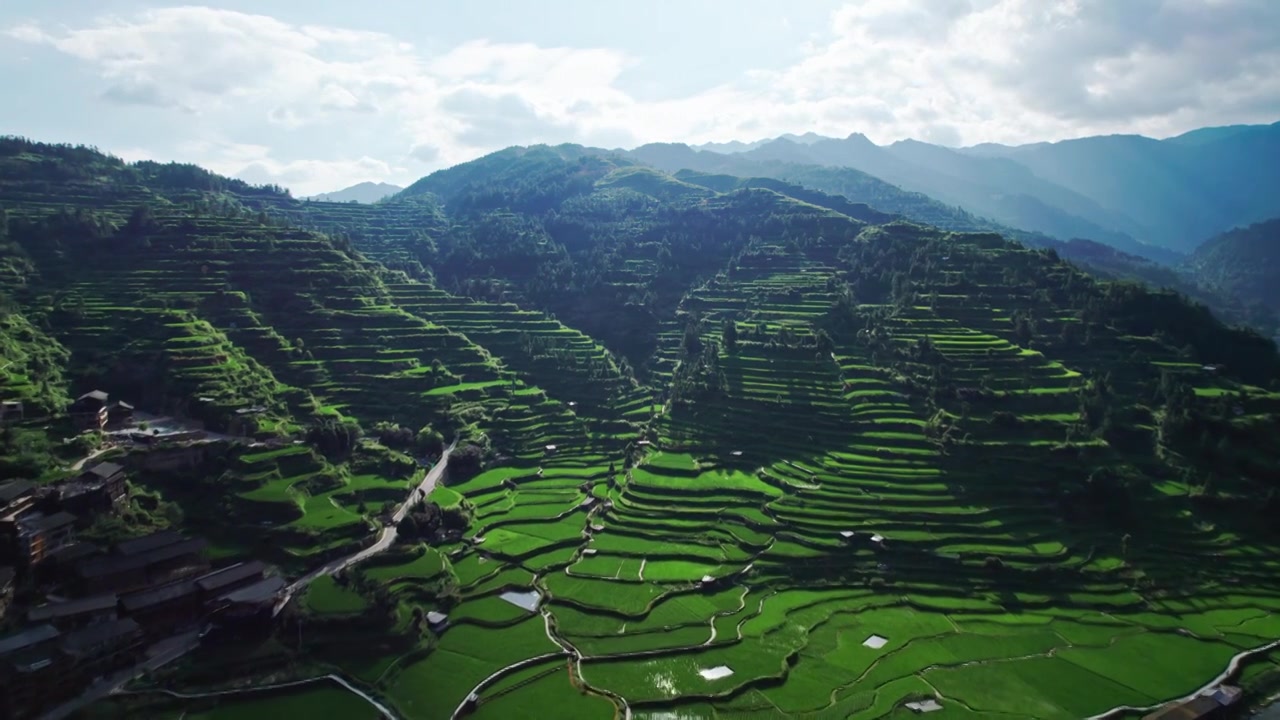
(730, 336)
(333, 438)
(692, 343)
(824, 343)
(141, 221)
(429, 441)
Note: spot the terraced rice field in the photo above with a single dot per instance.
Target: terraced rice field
(800, 547)
(808, 541)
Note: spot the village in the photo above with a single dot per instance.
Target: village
(75, 611)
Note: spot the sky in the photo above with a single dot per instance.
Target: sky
(316, 96)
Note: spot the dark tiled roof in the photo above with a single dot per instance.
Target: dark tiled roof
(14, 489)
(157, 596)
(40, 522)
(73, 552)
(52, 611)
(219, 579)
(94, 635)
(147, 543)
(105, 470)
(264, 589)
(27, 638)
(99, 567)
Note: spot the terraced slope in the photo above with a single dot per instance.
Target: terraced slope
(869, 463)
(542, 351)
(818, 539)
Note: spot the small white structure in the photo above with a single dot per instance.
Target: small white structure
(715, 673)
(596, 527)
(875, 642)
(924, 706)
(588, 502)
(573, 404)
(527, 600)
(707, 579)
(847, 534)
(877, 538)
(550, 449)
(436, 619)
(589, 551)
(477, 539)
(644, 443)
(736, 453)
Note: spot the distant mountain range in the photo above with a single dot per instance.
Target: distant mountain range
(1154, 198)
(365, 192)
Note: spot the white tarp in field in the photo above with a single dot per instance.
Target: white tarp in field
(527, 600)
(717, 672)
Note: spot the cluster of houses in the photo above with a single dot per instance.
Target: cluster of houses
(37, 522)
(94, 411)
(79, 611)
(112, 603)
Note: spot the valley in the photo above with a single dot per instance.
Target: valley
(708, 446)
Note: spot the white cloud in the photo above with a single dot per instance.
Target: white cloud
(256, 164)
(949, 71)
(1021, 70)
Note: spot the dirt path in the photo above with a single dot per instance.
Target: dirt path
(385, 539)
(78, 465)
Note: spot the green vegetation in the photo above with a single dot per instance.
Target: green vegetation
(727, 446)
(325, 597)
(1242, 262)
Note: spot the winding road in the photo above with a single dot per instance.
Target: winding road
(385, 539)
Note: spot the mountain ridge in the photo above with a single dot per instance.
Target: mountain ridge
(1155, 198)
(364, 192)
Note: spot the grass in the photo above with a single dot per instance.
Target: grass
(325, 597)
(432, 687)
(427, 565)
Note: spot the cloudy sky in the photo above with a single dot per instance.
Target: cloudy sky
(319, 95)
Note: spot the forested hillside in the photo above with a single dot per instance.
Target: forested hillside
(792, 443)
(1244, 262)
(815, 166)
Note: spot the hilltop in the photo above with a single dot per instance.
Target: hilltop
(365, 192)
(794, 443)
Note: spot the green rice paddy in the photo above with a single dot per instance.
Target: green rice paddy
(745, 543)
